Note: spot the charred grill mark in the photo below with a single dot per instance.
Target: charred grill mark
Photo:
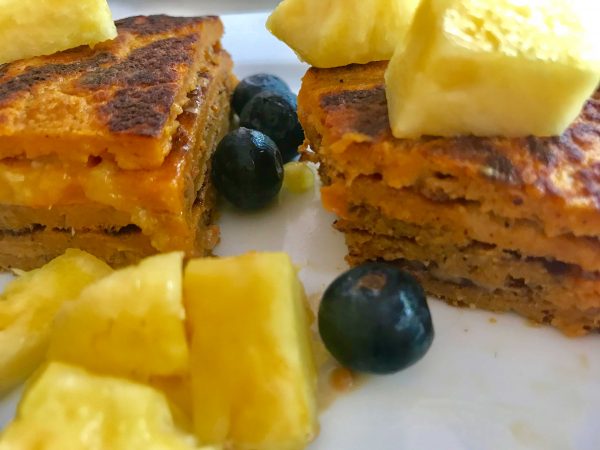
(139, 111)
(466, 148)
(590, 178)
(41, 74)
(367, 109)
(499, 168)
(483, 152)
(350, 99)
(540, 150)
(545, 184)
(591, 109)
(569, 147)
(3, 70)
(142, 25)
(584, 134)
(147, 79)
(156, 63)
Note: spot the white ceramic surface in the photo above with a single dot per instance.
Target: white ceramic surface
(482, 386)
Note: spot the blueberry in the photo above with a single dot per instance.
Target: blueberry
(247, 169)
(375, 319)
(275, 114)
(255, 84)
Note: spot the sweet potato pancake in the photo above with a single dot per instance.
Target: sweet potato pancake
(108, 149)
(498, 223)
(122, 98)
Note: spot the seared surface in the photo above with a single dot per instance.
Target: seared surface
(120, 98)
(553, 181)
(50, 185)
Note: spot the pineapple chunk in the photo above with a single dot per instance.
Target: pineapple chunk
(67, 407)
(298, 177)
(493, 68)
(129, 324)
(178, 391)
(35, 28)
(252, 366)
(341, 32)
(28, 306)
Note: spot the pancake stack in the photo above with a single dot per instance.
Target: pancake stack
(108, 149)
(495, 223)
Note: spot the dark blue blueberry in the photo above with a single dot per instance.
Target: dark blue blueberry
(253, 85)
(275, 114)
(247, 169)
(375, 319)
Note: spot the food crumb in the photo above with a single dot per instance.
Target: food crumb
(298, 177)
(533, 324)
(341, 379)
(492, 320)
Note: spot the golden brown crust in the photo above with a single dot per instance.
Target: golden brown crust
(556, 180)
(122, 97)
(159, 24)
(169, 188)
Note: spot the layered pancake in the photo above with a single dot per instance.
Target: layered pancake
(503, 224)
(108, 149)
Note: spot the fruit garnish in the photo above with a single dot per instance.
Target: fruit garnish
(276, 115)
(298, 177)
(67, 407)
(128, 324)
(30, 303)
(252, 363)
(254, 85)
(36, 28)
(247, 169)
(340, 32)
(374, 318)
(493, 68)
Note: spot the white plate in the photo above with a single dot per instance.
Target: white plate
(482, 386)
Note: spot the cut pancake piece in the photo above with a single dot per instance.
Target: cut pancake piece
(496, 223)
(554, 181)
(122, 98)
(54, 202)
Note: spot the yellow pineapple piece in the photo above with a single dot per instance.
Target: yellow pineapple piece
(129, 324)
(35, 28)
(341, 32)
(298, 177)
(178, 391)
(494, 68)
(28, 306)
(252, 364)
(68, 408)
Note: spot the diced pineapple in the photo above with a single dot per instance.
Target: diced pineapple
(28, 306)
(341, 32)
(253, 370)
(35, 28)
(68, 408)
(493, 68)
(128, 324)
(298, 177)
(178, 391)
